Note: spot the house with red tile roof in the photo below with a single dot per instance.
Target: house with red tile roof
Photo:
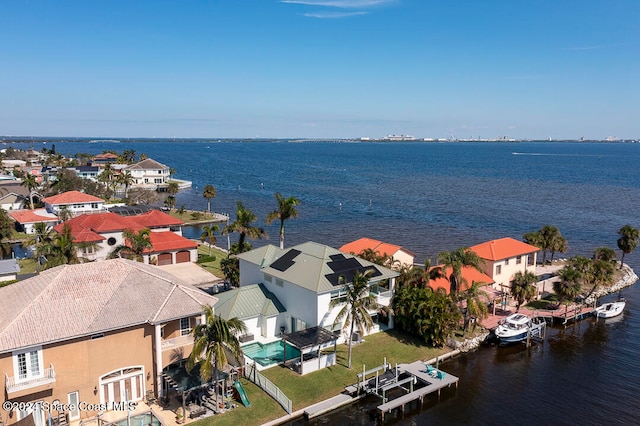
(398, 253)
(105, 157)
(100, 333)
(105, 231)
(469, 276)
(504, 257)
(75, 201)
(26, 219)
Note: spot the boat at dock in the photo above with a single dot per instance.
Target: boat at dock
(611, 309)
(517, 328)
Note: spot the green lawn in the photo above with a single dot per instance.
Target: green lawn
(190, 216)
(208, 263)
(326, 383)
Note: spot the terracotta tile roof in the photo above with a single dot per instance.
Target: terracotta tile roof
(156, 218)
(71, 197)
(380, 247)
(169, 241)
(503, 248)
(100, 223)
(32, 216)
(468, 273)
(72, 301)
(106, 156)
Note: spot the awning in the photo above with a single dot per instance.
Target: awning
(183, 381)
(314, 336)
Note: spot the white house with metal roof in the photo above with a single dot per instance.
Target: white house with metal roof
(306, 278)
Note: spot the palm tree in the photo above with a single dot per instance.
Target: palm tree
(135, 244)
(358, 301)
(605, 253)
(286, 210)
(558, 244)
(210, 339)
(568, 287)
(628, 240)
(126, 179)
(29, 181)
(208, 234)
(534, 239)
(456, 260)
(62, 250)
(243, 226)
(209, 192)
(107, 176)
(475, 305)
(522, 287)
(173, 188)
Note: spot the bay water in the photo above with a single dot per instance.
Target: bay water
(430, 197)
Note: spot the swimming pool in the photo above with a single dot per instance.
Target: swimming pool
(269, 353)
(146, 419)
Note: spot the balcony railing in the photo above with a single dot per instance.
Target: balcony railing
(177, 342)
(13, 385)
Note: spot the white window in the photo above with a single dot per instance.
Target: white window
(279, 282)
(185, 326)
(518, 260)
(506, 261)
(27, 364)
(88, 250)
(498, 269)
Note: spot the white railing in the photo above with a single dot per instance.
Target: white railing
(251, 373)
(177, 342)
(48, 376)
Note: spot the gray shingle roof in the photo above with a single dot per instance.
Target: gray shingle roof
(147, 164)
(9, 266)
(312, 268)
(71, 301)
(247, 302)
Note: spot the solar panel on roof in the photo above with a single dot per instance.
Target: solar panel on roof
(347, 268)
(286, 260)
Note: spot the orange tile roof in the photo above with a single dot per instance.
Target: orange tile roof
(156, 218)
(469, 273)
(100, 223)
(32, 216)
(106, 156)
(358, 246)
(503, 248)
(71, 197)
(169, 241)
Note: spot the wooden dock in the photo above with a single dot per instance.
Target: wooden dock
(412, 378)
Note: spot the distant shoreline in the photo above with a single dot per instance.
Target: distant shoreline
(115, 140)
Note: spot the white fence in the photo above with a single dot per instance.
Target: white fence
(252, 373)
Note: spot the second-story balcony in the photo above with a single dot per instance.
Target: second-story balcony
(176, 342)
(37, 383)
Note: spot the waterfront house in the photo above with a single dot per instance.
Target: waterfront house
(105, 158)
(398, 253)
(149, 174)
(100, 333)
(469, 277)
(305, 279)
(75, 202)
(13, 201)
(503, 258)
(105, 230)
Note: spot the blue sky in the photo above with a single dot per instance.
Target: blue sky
(325, 68)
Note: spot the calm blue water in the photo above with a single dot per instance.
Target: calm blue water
(430, 197)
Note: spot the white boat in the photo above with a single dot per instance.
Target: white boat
(611, 309)
(516, 328)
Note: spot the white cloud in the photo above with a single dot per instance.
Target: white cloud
(343, 4)
(332, 15)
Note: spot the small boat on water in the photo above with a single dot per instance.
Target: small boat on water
(611, 309)
(517, 327)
